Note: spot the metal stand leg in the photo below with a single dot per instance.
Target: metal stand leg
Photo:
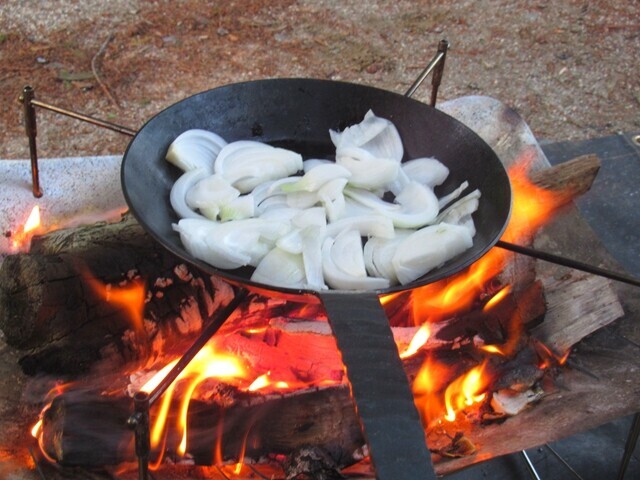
(532, 470)
(630, 446)
(30, 127)
(437, 65)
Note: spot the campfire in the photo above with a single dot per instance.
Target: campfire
(268, 392)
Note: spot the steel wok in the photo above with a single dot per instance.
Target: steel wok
(297, 114)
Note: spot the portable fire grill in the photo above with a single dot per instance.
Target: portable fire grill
(139, 421)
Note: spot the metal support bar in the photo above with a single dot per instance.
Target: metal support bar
(85, 118)
(567, 262)
(437, 65)
(139, 421)
(27, 98)
(629, 446)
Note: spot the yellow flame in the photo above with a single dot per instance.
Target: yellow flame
(206, 364)
(23, 236)
(35, 430)
(497, 298)
(260, 382)
(418, 340)
(465, 391)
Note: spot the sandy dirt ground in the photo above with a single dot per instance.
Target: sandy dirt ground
(569, 68)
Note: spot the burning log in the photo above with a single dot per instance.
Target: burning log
(60, 301)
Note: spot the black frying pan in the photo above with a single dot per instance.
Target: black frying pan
(297, 114)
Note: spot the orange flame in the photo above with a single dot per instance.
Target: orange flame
(130, 297)
(532, 206)
(427, 386)
(31, 226)
(548, 357)
(465, 391)
(206, 364)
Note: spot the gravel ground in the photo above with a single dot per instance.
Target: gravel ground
(567, 67)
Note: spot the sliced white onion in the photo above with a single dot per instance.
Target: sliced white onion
(376, 135)
(194, 234)
(429, 248)
(247, 163)
(312, 238)
(310, 163)
(337, 278)
(426, 170)
(447, 199)
(366, 225)
(239, 208)
(416, 205)
(209, 194)
(460, 212)
(316, 216)
(367, 170)
(317, 177)
(347, 253)
(281, 269)
(195, 148)
(332, 198)
(179, 190)
(379, 252)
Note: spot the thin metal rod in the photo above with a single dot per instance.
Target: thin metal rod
(37, 464)
(563, 461)
(567, 262)
(85, 118)
(30, 126)
(224, 475)
(438, 59)
(530, 467)
(630, 446)
(142, 434)
(200, 342)
(257, 472)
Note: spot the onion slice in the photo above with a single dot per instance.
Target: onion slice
(195, 148)
(337, 278)
(429, 248)
(179, 190)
